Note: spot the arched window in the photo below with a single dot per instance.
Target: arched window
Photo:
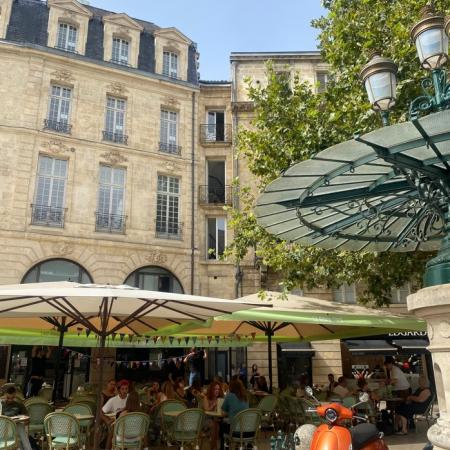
(154, 278)
(57, 270)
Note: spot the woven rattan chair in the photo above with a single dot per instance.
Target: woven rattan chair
(130, 431)
(267, 407)
(187, 428)
(85, 424)
(62, 431)
(37, 412)
(46, 392)
(244, 429)
(32, 400)
(168, 421)
(8, 434)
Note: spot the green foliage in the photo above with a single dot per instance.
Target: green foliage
(291, 124)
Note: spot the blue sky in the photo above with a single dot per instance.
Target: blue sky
(220, 28)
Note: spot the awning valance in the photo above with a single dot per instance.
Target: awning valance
(370, 346)
(296, 349)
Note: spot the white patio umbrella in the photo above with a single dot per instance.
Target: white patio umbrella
(106, 309)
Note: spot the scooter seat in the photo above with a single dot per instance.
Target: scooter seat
(362, 434)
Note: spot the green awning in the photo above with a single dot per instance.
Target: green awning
(351, 197)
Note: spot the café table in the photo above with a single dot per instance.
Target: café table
(20, 422)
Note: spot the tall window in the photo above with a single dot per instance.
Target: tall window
(120, 50)
(216, 239)
(168, 132)
(59, 109)
(168, 208)
(216, 126)
(111, 195)
(322, 80)
(345, 293)
(67, 37)
(48, 206)
(170, 64)
(115, 120)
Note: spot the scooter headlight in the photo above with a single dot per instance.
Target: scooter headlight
(331, 415)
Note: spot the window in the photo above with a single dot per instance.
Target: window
(59, 109)
(57, 270)
(216, 181)
(170, 64)
(48, 206)
(109, 216)
(115, 120)
(345, 293)
(216, 237)
(67, 37)
(120, 50)
(154, 278)
(216, 126)
(322, 80)
(168, 132)
(399, 295)
(168, 207)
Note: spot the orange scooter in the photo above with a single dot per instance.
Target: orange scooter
(333, 435)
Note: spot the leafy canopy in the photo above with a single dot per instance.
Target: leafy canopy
(292, 123)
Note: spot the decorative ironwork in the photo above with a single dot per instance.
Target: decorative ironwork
(435, 97)
(215, 195)
(50, 216)
(59, 126)
(110, 223)
(118, 138)
(173, 149)
(215, 133)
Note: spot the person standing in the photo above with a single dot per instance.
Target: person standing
(396, 378)
(38, 362)
(195, 360)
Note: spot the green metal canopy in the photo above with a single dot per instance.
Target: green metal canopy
(384, 190)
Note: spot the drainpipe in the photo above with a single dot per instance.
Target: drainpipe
(238, 274)
(193, 195)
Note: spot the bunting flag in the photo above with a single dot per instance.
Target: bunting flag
(171, 338)
(122, 336)
(179, 341)
(186, 340)
(146, 340)
(194, 339)
(155, 339)
(130, 337)
(88, 332)
(163, 339)
(253, 335)
(114, 336)
(209, 339)
(79, 330)
(217, 339)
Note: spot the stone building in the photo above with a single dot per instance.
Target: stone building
(117, 162)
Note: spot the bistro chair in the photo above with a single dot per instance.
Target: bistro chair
(244, 429)
(62, 431)
(85, 424)
(37, 411)
(92, 405)
(31, 400)
(168, 421)
(46, 393)
(187, 428)
(267, 407)
(427, 414)
(8, 434)
(130, 431)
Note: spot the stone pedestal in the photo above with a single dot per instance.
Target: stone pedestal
(433, 305)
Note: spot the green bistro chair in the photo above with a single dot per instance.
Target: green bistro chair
(31, 400)
(62, 431)
(168, 421)
(92, 405)
(8, 434)
(267, 407)
(37, 412)
(244, 429)
(187, 428)
(130, 431)
(46, 392)
(85, 424)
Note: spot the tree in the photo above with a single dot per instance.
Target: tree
(291, 124)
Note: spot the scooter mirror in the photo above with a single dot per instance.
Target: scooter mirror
(363, 397)
(309, 391)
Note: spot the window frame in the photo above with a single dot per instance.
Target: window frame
(168, 145)
(342, 290)
(165, 231)
(320, 88)
(58, 119)
(215, 256)
(169, 69)
(120, 59)
(67, 42)
(114, 133)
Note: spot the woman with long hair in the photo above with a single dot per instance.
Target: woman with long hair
(236, 400)
(133, 404)
(210, 403)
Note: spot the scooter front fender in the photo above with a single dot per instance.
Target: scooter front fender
(331, 438)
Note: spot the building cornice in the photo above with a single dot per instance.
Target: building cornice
(252, 56)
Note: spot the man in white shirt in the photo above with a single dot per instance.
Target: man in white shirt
(397, 378)
(341, 388)
(117, 403)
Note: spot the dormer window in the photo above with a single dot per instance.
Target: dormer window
(120, 51)
(170, 64)
(67, 37)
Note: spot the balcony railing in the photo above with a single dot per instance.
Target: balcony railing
(110, 223)
(59, 126)
(169, 230)
(172, 149)
(215, 195)
(49, 216)
(118, 138)
(215, 133)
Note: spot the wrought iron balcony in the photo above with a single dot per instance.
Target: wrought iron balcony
(59, 126)
(169, 230)
(110, 223)
(215, 133)
(173, 149)
(215, 195)
(49, 216)
(118, 138)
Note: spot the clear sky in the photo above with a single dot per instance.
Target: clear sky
(222, 27)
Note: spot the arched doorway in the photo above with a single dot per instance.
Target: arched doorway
(57, 270)
(154, 278)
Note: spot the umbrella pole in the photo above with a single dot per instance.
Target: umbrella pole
(269, 350)
(62, 329)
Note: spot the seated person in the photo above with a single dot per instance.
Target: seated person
(10, 406)
(341, 389)
(211, 403)
(261, 384)
(415, 404)
(363, 386)
(109, 391)
(117, 403)
(167, 391)
(331, 384)
(180, 391)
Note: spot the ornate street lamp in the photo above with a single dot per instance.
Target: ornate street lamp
(379, 78)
